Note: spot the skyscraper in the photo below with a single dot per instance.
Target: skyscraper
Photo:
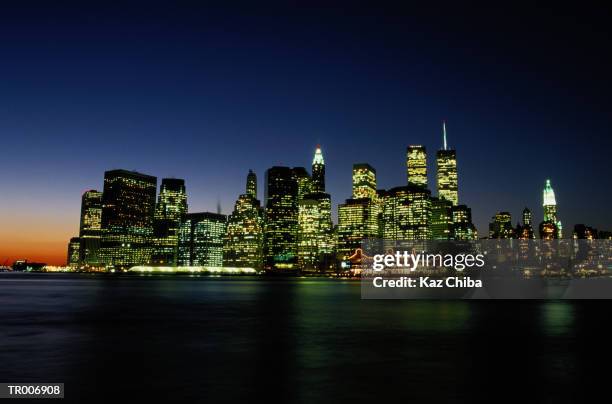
(251, 184)
(171, 207)
(357, 221)
(200, 240)
(172, 200)
(501, 226)
(407, 213)
(74, 254)
(128, 206)
(315, 237)
(303, 181)
(364, 181)
(318, 171)
(441, 223)
(550, 214)
(243, 246)
(90, 227)
(358, 217)
(525, 231)
(447, 172)
(416, 164)
(281, 218)
(526, 217)
(463, 228)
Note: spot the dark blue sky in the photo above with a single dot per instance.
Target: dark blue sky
(205, 93)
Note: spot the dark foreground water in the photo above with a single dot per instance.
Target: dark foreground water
(181, 339)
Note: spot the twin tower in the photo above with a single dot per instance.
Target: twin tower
(446, 176)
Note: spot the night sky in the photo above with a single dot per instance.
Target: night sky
(206, 93)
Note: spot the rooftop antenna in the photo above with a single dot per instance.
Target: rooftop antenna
(444, 132)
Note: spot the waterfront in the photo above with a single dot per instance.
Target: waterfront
(203, 339)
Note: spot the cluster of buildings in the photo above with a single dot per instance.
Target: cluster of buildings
(129, 224)
(549, 229)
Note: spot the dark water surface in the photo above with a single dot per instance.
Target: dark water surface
(182, 339)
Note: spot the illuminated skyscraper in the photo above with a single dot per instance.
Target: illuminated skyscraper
(251, 184)
(357, 220)
(303, 181)
(416, 163)
(171, 207)
(200, 241)
(501, 226)
(526, 217)
(364, 181)
(281, 218)
(90, 227)
(463, 228)
(74, 254)
(550, 214)
(243, 245)
(172, 200)
(407, 213)
(318, 171)
(128, 206)
(315, 236)
(359, 217)
(549, 204)
(525, 231)
(447, 172)
(441, 223)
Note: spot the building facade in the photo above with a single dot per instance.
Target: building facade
(243, 246)
(416, 165)
(90, 228)
(200, 239)
(128, 206)
(281, 218)
(170, 209)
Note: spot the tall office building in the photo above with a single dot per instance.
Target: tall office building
(243, 246)
(318, 171)
(357, 220)
(441, 223)
(447, 172)
(527, 217)
(172, 199)
(200, 239)
(90, 227)
(74, 253)
(171, 207)
(281, 218)
(315, 231)
(364, 181)
(251, 184)
(551, 227)
(416, 164)
(303, 181)
(358, 217)
(525, 231)
(407, 213)
(463, 228)
(128, 206)
(501, 226)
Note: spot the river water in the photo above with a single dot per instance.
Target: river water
(293, 340)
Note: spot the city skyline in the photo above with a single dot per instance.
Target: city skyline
(205, 95)
(431, 170)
